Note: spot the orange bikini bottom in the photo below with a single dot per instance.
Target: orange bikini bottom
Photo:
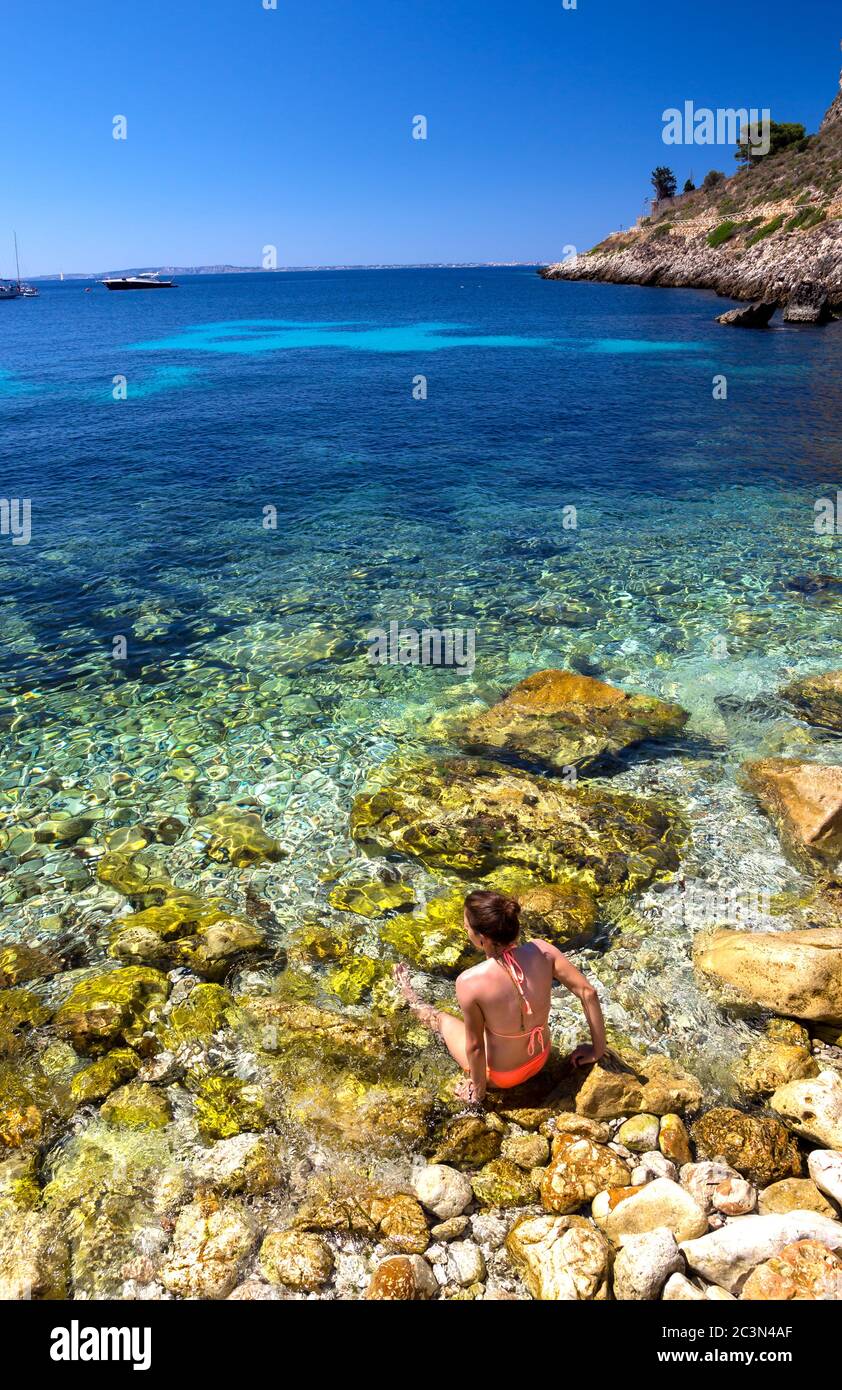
(504, 1080)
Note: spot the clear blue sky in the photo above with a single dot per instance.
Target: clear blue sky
(293, 127)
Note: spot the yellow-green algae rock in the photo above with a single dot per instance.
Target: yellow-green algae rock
(236, 837)
(20, 963)
(226, 1106)
(206, 1010)
(205, 936)
(292, 1025)
(560, 719)
(19, 1187)
(134, 876)
(319, 943)
(435, 939)
(211, 1241)
(32, 1104)
(251, 1163)
(104, 1076)
(372, 898)
(137, 1106)
(20, 1012)
(472, 817)
(351, 981)
(34, 1258)
(382, 1117)
(116, 1005)
(502, 1183)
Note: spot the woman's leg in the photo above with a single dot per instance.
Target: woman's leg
(451, 1030)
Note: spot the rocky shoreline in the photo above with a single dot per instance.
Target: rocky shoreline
(201, 1115)
(771, 233)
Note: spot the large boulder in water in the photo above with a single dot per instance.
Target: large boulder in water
(818, 699)
(808, 303)
(637, 1085)
(560, 719)
(804, 800)
(473, 817)
(796, 973)
(749, 315)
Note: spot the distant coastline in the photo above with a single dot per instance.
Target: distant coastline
(283, 269)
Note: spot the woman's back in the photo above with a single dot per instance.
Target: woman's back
(512, 989)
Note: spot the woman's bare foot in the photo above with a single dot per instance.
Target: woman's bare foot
(425, 1013)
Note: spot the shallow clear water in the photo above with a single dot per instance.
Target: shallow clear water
(246, 645)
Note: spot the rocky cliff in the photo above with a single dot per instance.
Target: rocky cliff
(771, 232)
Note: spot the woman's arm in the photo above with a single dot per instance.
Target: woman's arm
(474, 1040)
(584, 991)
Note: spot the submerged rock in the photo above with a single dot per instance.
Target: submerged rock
(472, 817)
(559, 720)
(290, 1024)
(726, 1257)
(758, 1147)
(137, 1106)
(795, 972)
(371, 898)
(817, 698)
(501, 1183)
(561, 1258)
(20, 1012)
(252, 1163)
(768, 1065)
(236, 837)
(226, 1106)
(211, 1241)
(34, 1258)
(435, 939)
(297, 1259)
(804, 800)
(467, 1142)
(33, 1105)
(116, 1005)
(20, 963)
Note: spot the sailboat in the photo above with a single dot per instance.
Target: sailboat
(24, 291)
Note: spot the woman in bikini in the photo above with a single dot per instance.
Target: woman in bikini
(503, 1036)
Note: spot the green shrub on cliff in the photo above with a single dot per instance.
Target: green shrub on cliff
(767, 229)
(722, 233)
(806, 218)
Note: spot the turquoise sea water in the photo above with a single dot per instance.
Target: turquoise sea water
(246, 680)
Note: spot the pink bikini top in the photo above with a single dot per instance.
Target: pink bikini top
(514, 970)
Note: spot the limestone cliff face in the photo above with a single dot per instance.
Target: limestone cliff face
(834, 111)
(765, 233)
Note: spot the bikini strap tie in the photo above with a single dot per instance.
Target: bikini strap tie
(516, 972)
(536, 1040)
